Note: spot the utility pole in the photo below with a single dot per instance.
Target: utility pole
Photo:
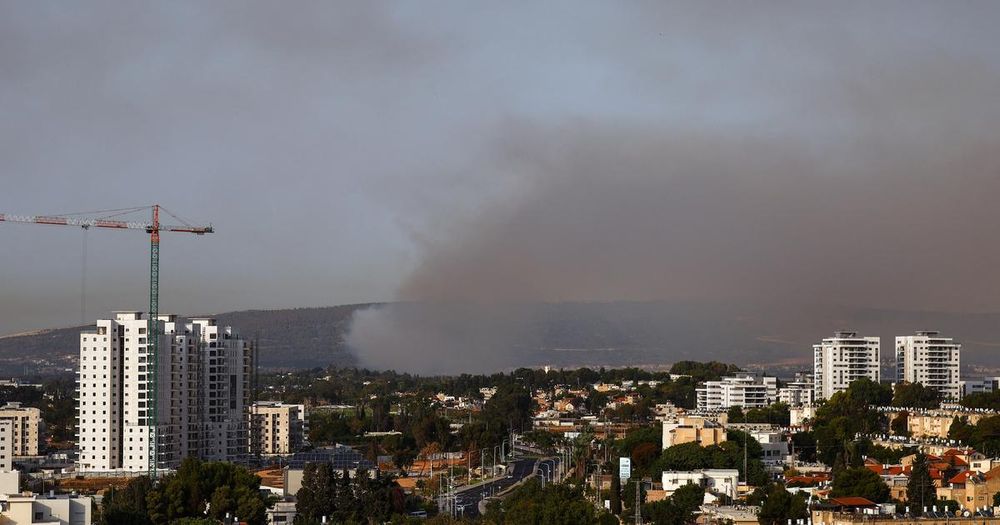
(638, 501)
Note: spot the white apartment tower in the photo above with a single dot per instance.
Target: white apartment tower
(202, 384)
(931, 360)
(842, 359)
(744, 391)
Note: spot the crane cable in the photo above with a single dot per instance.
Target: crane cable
(83, 280)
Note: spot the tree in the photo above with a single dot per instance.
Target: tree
(920, 491)
(900, 424)
(317, 497)
(860, 482)
(805, 446)
(555, 503)
(847, 414)
(779, 506)
(127, 506)
(960, 429)
(678, 509)
(986, 436)
(196, 484)
(915, 395)
(869, 392)
(688, 499)
(988, 400)
(616, 495)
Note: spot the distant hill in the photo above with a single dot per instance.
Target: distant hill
(294, 338)
(574, 334)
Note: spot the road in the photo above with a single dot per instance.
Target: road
(467, 501)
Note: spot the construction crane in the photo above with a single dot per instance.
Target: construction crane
(107, 219)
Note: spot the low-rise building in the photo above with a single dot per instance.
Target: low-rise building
(746, 391)
(25, 421)
(692, 429)
(718, 481)
(17, 508)
(798, 416)
(937, 423)
(980, 386)
(799, 392)
(972, 491)
(775, 449)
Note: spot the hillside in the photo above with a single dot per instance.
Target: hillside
(566, 334)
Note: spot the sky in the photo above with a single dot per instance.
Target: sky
(497, 152)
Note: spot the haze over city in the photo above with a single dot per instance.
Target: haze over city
(798, 155)
(449, 262)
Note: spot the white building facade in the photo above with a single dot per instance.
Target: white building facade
(980, 386)
(931, 360)
(202, 384)
(719, 481)
(745, 391)
(842, 359)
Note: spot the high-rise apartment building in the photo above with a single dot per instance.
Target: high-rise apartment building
(24, 422)
(276, 428)
(202, 383)
(931, 360)
(842, 359)
(744, 391)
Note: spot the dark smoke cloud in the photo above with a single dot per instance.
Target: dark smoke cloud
(889, 206)
(635, 213)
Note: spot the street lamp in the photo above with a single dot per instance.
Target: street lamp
(551, 467)
(482, 462)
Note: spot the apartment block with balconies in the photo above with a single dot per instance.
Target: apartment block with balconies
(931, 360)
(842, 359)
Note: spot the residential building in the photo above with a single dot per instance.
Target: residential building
(276, 428)
(980, 386)
(774, 447)
(799, 415)
(6, 446)
(201, 378)
(718, 481)
(797, 394)
(17, 508)
(973, 491)
(692, 430)
(747, 391)
(25, 421)
(842, 359)
(931, 360)
(826, 516)
(937, 423)
(281, 512)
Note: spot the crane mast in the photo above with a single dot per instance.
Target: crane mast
(153, 343)
(153, 228)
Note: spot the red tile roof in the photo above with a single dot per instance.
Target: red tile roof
(960, 478)
(852, 501)
(874, 467)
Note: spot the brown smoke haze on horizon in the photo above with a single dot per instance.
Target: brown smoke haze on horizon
(612, 213)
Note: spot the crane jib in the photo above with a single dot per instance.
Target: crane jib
(103, 223)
